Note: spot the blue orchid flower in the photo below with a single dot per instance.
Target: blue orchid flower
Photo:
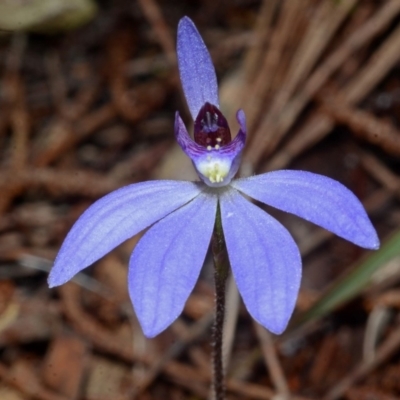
(166, 262)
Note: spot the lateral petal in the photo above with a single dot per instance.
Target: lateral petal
(115, 218)
(316, 198)
(265, 261)
(195, 68)
(166, 263)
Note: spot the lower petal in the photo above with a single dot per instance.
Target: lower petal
(265, 261)
(166, 263)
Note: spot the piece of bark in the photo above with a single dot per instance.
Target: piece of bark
(65, 364)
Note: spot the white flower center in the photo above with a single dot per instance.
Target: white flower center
(214, 169)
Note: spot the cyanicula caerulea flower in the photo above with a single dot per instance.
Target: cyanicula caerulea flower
(166, 262)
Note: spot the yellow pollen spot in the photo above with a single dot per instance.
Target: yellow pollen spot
(215, 173)
(216, 147)
(209, 148)
(218, 139)
(213, 168)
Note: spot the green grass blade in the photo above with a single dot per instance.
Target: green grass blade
(351, 284)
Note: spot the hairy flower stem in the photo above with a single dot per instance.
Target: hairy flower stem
(221, 270)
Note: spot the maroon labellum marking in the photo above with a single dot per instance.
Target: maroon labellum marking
(211, 128)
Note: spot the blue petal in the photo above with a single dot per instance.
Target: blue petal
(166, 263)
(265, 261)
(241, 118)
(316, 198)
(115, 218)
(196, 68)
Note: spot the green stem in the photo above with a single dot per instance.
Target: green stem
(221, 271)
